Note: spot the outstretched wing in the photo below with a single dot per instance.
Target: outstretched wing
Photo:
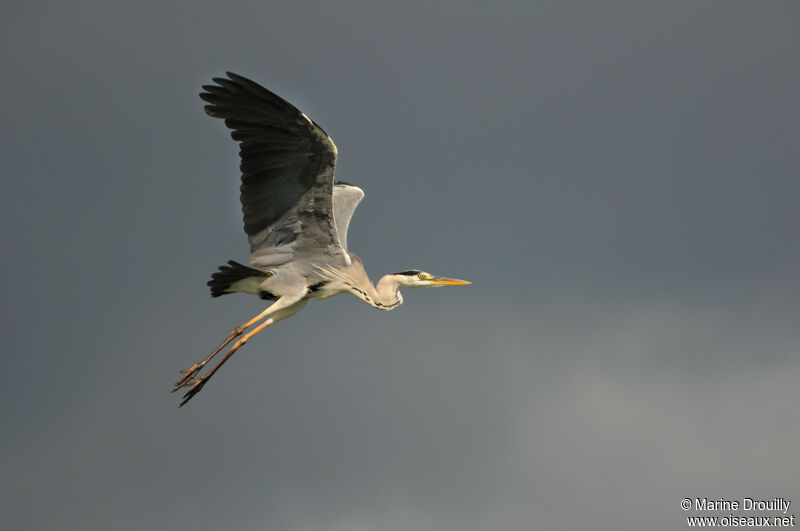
(346, 198)
(287, 165)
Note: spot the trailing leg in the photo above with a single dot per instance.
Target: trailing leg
(281, 309)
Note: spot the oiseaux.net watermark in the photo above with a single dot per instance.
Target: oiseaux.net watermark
(739, 512)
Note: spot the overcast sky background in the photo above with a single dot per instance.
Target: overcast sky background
(618, 179)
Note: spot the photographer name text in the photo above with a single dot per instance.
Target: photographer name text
(745, 504)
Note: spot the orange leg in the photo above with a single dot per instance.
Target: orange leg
(196, 384)
(190, 372)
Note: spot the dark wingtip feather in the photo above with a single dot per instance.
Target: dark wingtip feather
(240, 79)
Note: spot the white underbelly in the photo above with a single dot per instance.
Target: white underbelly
(247, 285)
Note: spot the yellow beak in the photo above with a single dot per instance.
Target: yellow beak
(444, 281)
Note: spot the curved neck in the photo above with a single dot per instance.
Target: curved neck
(384, 296)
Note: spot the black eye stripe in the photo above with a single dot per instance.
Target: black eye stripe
(410, 272)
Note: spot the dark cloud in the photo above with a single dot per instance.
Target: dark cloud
(619, 181)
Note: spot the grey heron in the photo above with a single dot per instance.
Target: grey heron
(296, 219)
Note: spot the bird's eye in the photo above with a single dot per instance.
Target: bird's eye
(421, 276)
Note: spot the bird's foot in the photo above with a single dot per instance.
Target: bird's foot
(188, 375)
(194, 387)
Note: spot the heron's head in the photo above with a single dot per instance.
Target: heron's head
(414, 278)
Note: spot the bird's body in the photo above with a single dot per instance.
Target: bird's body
(295, 215)
(320, 281)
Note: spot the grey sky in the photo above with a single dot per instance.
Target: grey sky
(618, 179)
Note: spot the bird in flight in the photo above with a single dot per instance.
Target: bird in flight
(295, 216)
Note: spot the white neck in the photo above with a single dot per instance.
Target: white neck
(384, 296)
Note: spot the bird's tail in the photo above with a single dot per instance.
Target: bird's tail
(222, 282)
